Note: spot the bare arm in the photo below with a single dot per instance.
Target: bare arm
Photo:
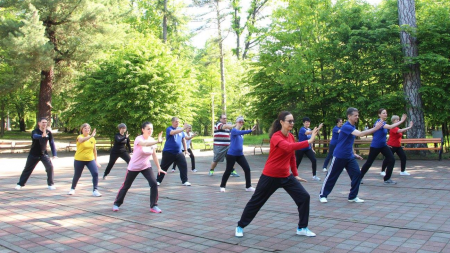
(155, 160)
(83, 139)
(177, 131)
(228, 126)
(406, 128)
(369, 131)
(151, 142)
(396, 124)
(318, 128)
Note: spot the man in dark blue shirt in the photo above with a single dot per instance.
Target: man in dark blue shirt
(38, 152)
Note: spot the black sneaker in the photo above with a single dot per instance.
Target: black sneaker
(389, 181)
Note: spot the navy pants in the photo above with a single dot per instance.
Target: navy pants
(129, 179)
(310, 154)
(167, 160)
(32, 161)
(231, 160)
(113, 158)
(266, 187)
(401, 154)
(79, 167)
(388, 157)
(336, 167)
(329, 155)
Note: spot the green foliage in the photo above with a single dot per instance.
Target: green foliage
(142, 81)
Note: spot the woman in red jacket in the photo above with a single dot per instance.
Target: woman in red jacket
(276, 174)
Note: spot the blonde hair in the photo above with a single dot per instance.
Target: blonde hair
(395, 117)
(83, 126)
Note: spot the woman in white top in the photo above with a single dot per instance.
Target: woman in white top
(188, 138)
(144, 146)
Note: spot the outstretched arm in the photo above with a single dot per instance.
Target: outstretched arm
(396, 124)
(369, 131)
(406, 128)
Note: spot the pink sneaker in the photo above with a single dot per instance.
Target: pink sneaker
(155, 209)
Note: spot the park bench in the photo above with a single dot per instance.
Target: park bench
(15, 146)
(265, 143)
(208, 143)
(4, 145)
(98, 144)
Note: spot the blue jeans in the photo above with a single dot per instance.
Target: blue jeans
(79, 167)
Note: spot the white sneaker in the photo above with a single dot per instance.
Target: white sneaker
(222, 189)
(115, 208)
(239, 232)
(305, 232)
(316, 178)
(17, 187)
(173, 170)
(71, 192)
(96, 193)
(404, 173)
(325, 170)
(250, 189)
(323, 200)
(186, 184)
(195, 170)
(158, 183)
(52, 187)
(383, 173)
(356, 200)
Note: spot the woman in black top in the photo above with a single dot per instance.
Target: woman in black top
(118, 150)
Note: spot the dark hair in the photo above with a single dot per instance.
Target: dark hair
(337, 120)
(381, 110)
(221, 116)
(42, 118)
(276, 125)
(145, 124)
(306, 119)
(351, 110)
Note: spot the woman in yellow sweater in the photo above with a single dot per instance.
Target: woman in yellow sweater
(86, 155)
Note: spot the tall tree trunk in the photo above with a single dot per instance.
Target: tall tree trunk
(411, 78)
(45, 95)
(2, 116)
(222, 68)
(165, 22)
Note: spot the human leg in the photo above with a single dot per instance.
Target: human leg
(355, 175)
(329, 156)
(372, 155)
(48, 169)
(191, 155)
(335, 169)
(148, 174)
(166, 160)
(312, 157)
(31, 163)
(242, 161)
(92, 166)
(301, 198)
(78, 170)
(112, 160)
(390, 160)
(180, 160)
(129, 179)
(231, 160)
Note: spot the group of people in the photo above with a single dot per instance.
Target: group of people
(280, 170)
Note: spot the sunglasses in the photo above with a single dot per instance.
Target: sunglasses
(290, 121)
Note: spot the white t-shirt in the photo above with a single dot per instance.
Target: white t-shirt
(188, 142)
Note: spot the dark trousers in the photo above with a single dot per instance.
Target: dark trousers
(336, 167)
(310, 154)
(329, 155)
(401, 154)
(231, 160)
(129, 179)
(388, 157)
(191, 155)
(167, 160)
(32, 161)
(79, 167)
(266, 187)
(113, 158)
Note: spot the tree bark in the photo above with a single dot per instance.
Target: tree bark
(411, 77)
(45, 95)
(222, 67)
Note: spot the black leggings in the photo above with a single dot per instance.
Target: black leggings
(231, 160)
(113, 158)
(129, 178)
(266, 187)
(388, 157)
(401, 154)
(310, 154)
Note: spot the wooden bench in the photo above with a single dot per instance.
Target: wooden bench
(208, 143)
(14, 146)
(265, 143)
(4, 145)
(101, 144)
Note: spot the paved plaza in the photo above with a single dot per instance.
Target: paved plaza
(412, 216)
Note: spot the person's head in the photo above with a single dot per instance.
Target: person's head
(285, 121)
(175, 122)
(240, 122)
(85, 129)
(147, 128)
(223, 119)
(382, 114)
(189, 128)
(395, 119)
(306, 122)
(339, 122)
(42, 123)
(122, 128)
(352, 115)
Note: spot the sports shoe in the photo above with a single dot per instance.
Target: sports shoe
(356, 200)
(404, 173)
(186, 183)
(383, 173)
(17, 187)
(52, 187)
(305, 232)
(323, 200)
(115, 208)
(234, 174)
(211, 172)
(173, 170)
(239, 232)
(361, 182)
(316, 178)
(390, 181)
(104, 177)
(155, 209)
(158, 183)
(71, 192)
(325, 170)
(250, 189)
(194, 170)
(96, 193)
(222, 189)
